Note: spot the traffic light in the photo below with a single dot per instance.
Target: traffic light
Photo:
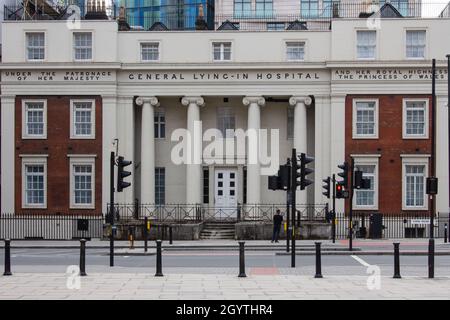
(344, 174)
(282, 180)
(121, 174)
(360, 182)
(304, 171)
(326, 187)
(339, 191)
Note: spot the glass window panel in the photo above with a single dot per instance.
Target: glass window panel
(34, 184)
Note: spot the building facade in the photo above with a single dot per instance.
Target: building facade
(72, 96)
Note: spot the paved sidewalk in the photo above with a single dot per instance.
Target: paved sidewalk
(218, 287)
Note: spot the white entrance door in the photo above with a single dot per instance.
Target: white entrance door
(225, 193)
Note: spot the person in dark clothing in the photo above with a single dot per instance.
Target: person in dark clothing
(277, 221)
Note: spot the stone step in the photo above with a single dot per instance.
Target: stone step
(231, 237)
(218, 226)
(208, 234)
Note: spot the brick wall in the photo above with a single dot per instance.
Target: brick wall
(57, 146)
(390, 145)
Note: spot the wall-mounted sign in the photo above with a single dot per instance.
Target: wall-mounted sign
(387, 74)
(57, 76)
(222, 76)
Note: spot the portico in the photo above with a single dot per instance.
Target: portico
(239, 178)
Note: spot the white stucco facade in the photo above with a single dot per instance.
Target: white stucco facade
(258, 84)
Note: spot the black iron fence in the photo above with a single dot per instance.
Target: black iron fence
(391, 225)
(50, 227)
(182, 213)
(67, 227)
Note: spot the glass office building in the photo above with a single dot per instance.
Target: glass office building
(174, 14)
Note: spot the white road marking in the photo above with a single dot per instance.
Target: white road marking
(361, 261)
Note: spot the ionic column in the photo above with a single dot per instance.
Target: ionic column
(194, 150)
(147, 148)
(300, 133)
(253, 165)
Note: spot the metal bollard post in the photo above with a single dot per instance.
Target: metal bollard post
(397, 261)
(158, 259)
(318, 261)
(145, 234)
(241, 260)
(7, 258)
(431, 259)
(445, 233)
(83, 257)
(170, 235)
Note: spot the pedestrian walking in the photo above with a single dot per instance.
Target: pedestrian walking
(277, 221)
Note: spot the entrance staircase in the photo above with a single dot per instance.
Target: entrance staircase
(218, 230)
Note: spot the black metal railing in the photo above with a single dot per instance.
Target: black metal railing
(179, 213)
(446, 12)
(50, 226)
(57, 12)
(391, 225)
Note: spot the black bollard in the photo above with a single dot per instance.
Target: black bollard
(170, 235)
(397, 261)
(83, 257)
(318, 261)
(7, 258)
(431, 259)
(241, 260)
(145, 234)
(445, 233)
(158, 259)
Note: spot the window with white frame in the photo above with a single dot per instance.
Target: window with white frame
(290, 122)
(415, 43)
(150, 51)
(82, 181)
(415, 119)
(365, 115)
(160, 186)
(34, 182)
(82, 45)
(366, 44)
(34, 119)
(82, 119)
(264, 8)
(414, 180)
(275, 26)
(222, 51)
(367, 198)
(35, 45)
(242, 8)
(295, 50)
(226, 121)
(160, 124)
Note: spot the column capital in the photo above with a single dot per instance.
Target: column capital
(260, 101)
(300, 99)
(185, 101)
(152, 100)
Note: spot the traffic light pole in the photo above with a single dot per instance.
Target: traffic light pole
(293, 202)
(333, 223)
(433, 144)
(350, 229)
(448, 127)
(288, 203)
(111, 211)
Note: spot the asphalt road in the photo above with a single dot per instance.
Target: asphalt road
(218, 262)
